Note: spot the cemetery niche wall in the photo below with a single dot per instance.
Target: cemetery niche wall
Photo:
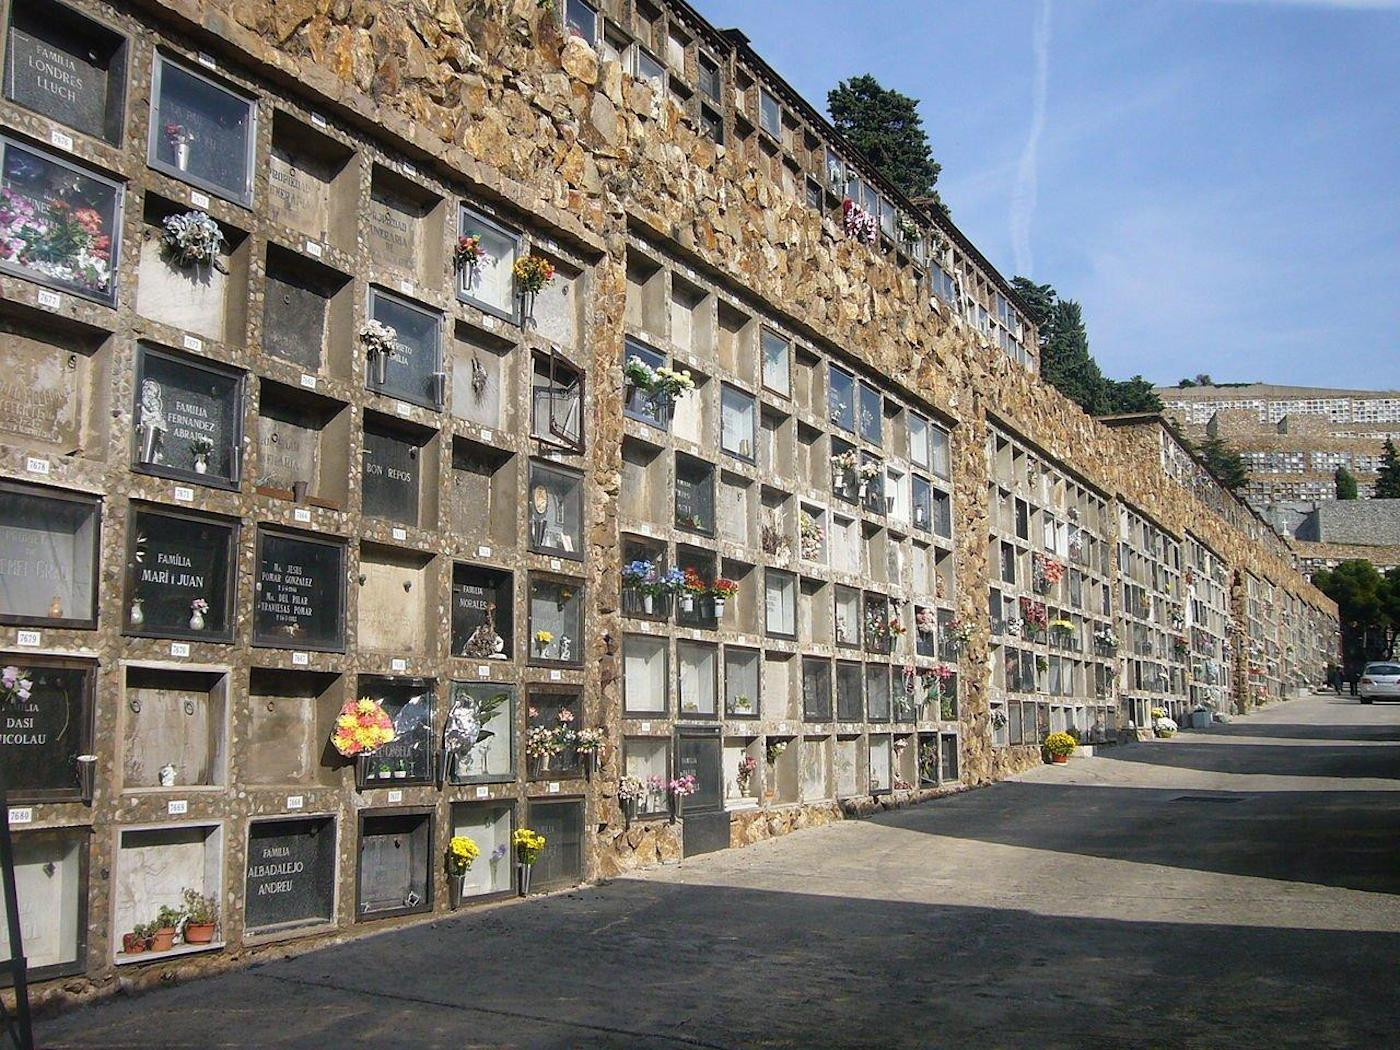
(295, 413)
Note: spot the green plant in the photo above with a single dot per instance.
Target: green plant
(1060, 744)
(199, 909)
(167, 918)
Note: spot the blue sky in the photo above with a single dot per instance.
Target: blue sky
(1217, 181)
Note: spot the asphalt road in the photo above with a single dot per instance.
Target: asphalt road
(1231, 888)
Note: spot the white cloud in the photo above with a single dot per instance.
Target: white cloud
(1023, 196)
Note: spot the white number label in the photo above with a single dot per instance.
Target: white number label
(399, 534)
(194, 343)
(199, 200)
(398, 665)
(482, 671)
(488, 322)
(483, 792)
(318, 120)
(646, 727)
(483, 552)
(301, 514)
(176, 806)
(59, 139)
(295, 802)
(28, 637)
(184, 493)
(205, 59)
(554, 787)
(403, 409)
(554, 563)
(308, 381)
(300, 659)
(21, 816)
(35, 465)
(396, 796)
(52, 300)
(556, 676)
(406, 287)
(486, 435)
(179, 648)
(313, 249)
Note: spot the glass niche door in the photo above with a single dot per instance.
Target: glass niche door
(705, 822)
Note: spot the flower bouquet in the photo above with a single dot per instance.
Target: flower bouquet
(721, 590)
(362, 728)
(529, 844)
(192, 239)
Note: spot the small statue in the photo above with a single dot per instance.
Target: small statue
(565, 648)
(167, 775)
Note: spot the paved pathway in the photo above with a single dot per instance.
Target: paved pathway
(1232, 888)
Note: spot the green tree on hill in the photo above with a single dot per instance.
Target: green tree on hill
(1388, 480)
(1345, 483)
(885, 125)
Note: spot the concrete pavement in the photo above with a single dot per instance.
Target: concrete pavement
(1234, 887)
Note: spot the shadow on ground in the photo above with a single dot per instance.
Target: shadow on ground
(643, 964)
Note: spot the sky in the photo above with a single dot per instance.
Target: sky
(1216, 181)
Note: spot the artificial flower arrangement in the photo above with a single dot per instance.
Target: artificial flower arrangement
(869, 470)
(529, 844)
(774, 750)
(747, 765)
(723, 588)
(845, 462)
(1054, 570)
(999, 719)
(1061, 624)
(362, 728)
(630, 788)
(958, 633)
(192, 239)
(637, 572)
(543, 638)
(59, 240)
(860, 224)
(896, 626)
(1034, 613)
(462, 850)
(811, 536)
(925, 620)
(683, 786)
(379, 341)
(1106, 637)
(532, 274)
(468, 252)
(14, 686)
(590, 741)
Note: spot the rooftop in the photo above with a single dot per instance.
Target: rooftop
(1238, 390)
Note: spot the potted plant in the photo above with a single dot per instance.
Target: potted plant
(629, 792)
(681, 788)
(167, 921)
(721, 591)
(1163, 726)
(747, 765)
(201, 917)
(533, 273)
(198, 608)
(461, 851)
(379, 341)
(1060, 746)
(134, 943)
(528, 847)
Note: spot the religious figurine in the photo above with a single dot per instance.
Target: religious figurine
(56, 608)
(150, 422)
(565, 648)
(484, 643)
(167, 775)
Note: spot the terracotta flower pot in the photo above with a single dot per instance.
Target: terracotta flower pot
(1060, 760)
(163, 939)
(199, 932)
(133, 943)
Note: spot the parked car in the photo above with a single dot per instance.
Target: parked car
(1380, 681)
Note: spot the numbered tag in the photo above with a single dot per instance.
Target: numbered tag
(301, 514)
(318, 120)
(59, 139)
(184, 493)
(51, 300)
(555, 564)
(395, 796)
(488, 322)
(35, 465)
(179, 648)
(193, 343)
(22, 815)
(399, 534)
(406, 287)
(398, 665)
(482, 671)
(554, 787)
(483, 552)
(199, 200)
(301, 659)
(206, 59)
(403, 409)
(483, 792)
(28, 638)
(295, 802)
(308, 381)
(486, 435)
(313, 249)
(646, 727)
(177, 807)
(556, 676)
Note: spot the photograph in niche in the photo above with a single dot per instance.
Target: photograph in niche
(58, 224)
(179, 576)
(201, 132)
(48, 551)
(188, 418)
(300, 593)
